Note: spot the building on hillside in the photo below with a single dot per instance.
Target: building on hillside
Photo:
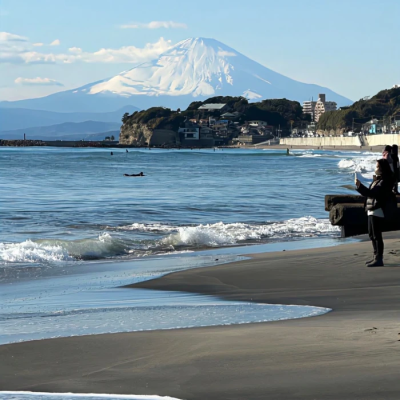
(317, 108)
(190, 131)
(258, 123)
(213, 107)
(203, 122)
(308, 108)
(372, 127)
(231, 115)
(206, 133)
(211, 121)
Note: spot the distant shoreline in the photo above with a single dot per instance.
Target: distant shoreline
(102, 144)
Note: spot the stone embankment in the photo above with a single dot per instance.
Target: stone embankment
(21, 143)
(345, 141)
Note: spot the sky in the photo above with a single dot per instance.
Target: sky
(349, 46)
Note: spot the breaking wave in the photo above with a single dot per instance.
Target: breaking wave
(365, 165)
(169, 239)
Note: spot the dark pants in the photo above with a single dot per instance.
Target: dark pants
(375, 234)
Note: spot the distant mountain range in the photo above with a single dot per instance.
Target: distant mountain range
(23, 118)
(192, 70)
(88, 130)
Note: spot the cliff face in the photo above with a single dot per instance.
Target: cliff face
(135, 134)
(138, 134)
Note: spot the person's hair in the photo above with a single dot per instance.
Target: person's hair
(395, 150)
(386, 171)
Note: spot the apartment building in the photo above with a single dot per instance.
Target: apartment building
(317, 108)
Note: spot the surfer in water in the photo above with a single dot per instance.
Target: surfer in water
(139, 174)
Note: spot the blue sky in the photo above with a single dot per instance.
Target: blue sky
(350, 46)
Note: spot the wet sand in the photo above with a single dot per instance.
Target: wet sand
(352, 352)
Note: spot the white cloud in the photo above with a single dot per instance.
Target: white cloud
(10, 37)
(155, 25)
(55, 42)
(75, 50)
(38, 82)
(126, 54)
(15, 51)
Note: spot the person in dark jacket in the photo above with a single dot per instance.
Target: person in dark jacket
(396, 167)
(378, 198)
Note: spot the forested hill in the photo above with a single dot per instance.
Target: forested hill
(383, 105)
(275, 112)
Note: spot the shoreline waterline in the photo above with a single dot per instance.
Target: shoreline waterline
(103, 277)
(362, 326)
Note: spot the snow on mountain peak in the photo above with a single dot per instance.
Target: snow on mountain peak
(197, 66)
(193, 69)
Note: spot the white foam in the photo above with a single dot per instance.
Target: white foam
(10, 395)
(148, 227)
(53, 250)
(363, 164)
(32, 252)
(226, 234)
(310, 155)
(208, 235)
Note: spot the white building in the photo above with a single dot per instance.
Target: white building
(258, 123)
(317, 108)
(190, 132)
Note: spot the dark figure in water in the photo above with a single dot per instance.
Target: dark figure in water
(377, 205)
(140, 174)
(127, 150)
(287, 152)
(112, 153)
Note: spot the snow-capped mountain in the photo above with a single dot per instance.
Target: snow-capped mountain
(193, 69)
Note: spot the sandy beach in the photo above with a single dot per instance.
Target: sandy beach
(353, 352)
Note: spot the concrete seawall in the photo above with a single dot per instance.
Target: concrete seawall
(370, 140)
(322, 141)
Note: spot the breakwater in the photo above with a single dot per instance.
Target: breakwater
(338, 141)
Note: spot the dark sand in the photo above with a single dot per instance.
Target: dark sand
(352, 352)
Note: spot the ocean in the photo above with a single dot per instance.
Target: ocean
(74, 229)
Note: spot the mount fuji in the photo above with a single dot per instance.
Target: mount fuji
(194, 69)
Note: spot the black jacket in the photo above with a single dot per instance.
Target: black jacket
(378, 195)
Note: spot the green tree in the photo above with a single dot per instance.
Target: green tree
(112, 138)
(125, 118)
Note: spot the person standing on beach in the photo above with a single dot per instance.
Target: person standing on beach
(378, 197)
(396, 167)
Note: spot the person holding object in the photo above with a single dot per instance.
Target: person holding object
(396, 167)
(378, 198)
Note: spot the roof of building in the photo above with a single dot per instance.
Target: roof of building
(212, 106)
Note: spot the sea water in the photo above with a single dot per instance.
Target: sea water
(74, 230)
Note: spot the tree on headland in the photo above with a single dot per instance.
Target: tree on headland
(112, 138)
(125, 117)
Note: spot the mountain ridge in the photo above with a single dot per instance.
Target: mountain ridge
(76, 130)
(24, 118)
(193, 69)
